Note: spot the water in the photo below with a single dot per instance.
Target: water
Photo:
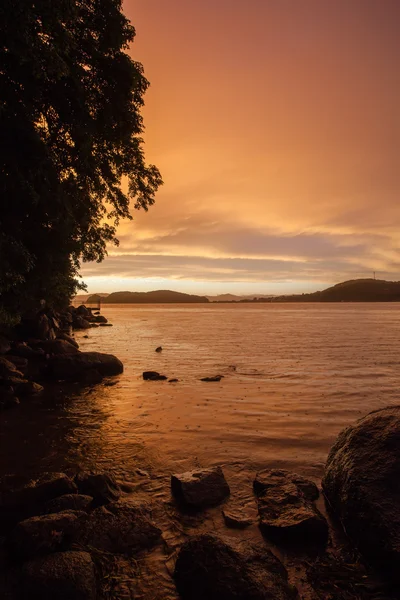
(294, 375)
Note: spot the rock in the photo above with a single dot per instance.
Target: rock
(199, 489)
(4, 345)
(174, 380)
(19, 362)
(105, 324)
(361, 484)
(21, 499)
(74, 502)
(102, 487)
(215, 378)
(28, 388)
(270, 478)
(236, 519)
(91, 377)
(153, 376)
(61, 576)
(81, 323)
(72, 367)
(159, 349)
(210, 568)
(82, 311)
(40, 535)
(8, 369)
(43, 327)
(286, 513)
(60, 347)
(68, 338)
(25, 351)
(120, 527)
(100, 319)
(8, 399)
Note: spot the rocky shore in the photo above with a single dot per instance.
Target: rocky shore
(78, 534)
(42, 349)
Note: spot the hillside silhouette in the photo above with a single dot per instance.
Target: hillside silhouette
(354, 290)
(156, 297)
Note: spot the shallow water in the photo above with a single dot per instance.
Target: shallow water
(293, 376)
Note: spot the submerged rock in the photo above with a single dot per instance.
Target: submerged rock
(159, 349)
(119, 527)
(78, 502)
(361, 484)
(200, 488)
(102, 487)
(72, 367)
(153, 376)
(62, 576)
(287, 514)
(215, 378)
(43, 534)
(210, 568)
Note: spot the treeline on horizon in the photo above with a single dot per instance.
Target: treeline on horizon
(355, 290)
(70, 132)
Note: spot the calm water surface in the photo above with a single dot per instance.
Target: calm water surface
(294, 376)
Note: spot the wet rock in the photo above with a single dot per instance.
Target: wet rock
(62, 576)
(120, 527)
(102, 487)
(286, 514)
(27, 388)
(8, 368)
(200, 488)
(43, 534)
(25, 351)
(153, 376)
(269, 478)
(174, 380)
(68, 338)
(81, 323)
(236, 519)
(100, 319)
(60, 347)
(76, 502)
(19, 362)
(91, 377)
(4, 345)
(82, 311)
(361, 484)
(159, 349)
(105, 324)
(72, 367)
(20, 499)
(215, 378)
(208, 567)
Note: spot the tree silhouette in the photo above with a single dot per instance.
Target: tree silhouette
(71, 155)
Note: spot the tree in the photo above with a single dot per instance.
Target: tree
(71, 155)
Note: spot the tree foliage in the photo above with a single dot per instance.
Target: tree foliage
(71, 155)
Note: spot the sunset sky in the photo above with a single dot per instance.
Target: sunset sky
(276, 126)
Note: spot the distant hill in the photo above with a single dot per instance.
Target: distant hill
(355, 290)
(234, 298)
(157, 297)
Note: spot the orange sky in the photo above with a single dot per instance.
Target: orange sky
(276, 126)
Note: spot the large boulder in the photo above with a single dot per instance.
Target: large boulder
(208, 567)
(73, 367)
(79, 502)
(200, 488)
(60, 346)
(20, 498)
(362, 486)
(62, 576)
(287, 514)
(43, 534)
(102, 487)
(81, 323)
(67, 338)
(119, 528)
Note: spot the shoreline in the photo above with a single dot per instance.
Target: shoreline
(151, 489)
